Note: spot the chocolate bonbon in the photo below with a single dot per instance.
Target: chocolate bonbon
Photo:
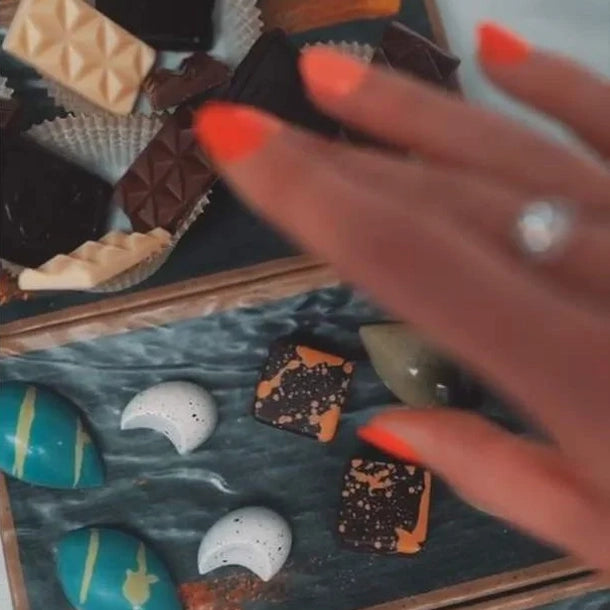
(384, 507)
(49, 206)
(303, 390)
(403, 49)
(269, 78)
(168, 179)
(197, 74)
(178, 25)
(75, 45)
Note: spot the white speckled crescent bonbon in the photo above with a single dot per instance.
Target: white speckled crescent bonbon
(255, 538)
(184, 412)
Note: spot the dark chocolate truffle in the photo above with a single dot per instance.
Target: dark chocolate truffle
(269, 78)
(49, 206)
(178, 25)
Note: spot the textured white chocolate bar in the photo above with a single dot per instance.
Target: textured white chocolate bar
(95, 261)
(81, 49)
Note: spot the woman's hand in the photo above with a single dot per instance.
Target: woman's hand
(431, 237)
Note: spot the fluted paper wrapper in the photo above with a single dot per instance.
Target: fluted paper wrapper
(6, 93)
(103, 144)
(238, 25)
(363, 52)
(106, 146)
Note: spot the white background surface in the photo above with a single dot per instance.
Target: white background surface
(579, 28)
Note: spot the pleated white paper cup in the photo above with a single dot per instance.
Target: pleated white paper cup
(103, 144)
(106, 146)
(237, 24)
(360, 51)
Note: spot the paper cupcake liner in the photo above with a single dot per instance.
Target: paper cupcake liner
(102, 144)
(363, 52)
(6, 93)
(107, 146)
(237, 25)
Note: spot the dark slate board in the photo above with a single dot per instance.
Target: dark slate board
(172, 500)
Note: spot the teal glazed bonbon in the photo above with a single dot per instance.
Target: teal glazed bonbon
(43, 440)
(106, 569)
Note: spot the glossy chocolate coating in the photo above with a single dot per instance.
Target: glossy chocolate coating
(166, 181)
(403, 49)
(49, 206)
(197, 74)
(302, 390)
(384, 507)
(269, 78)
(179, 25)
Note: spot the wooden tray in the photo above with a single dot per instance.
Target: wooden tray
(261, 285)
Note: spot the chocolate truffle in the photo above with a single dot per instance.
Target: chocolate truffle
(49, 206)
(179, 25)
(384, 507)
(269, 78)
(303, 390)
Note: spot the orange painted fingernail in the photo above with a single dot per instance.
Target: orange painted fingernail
(329, 73)
(500, 46)
(389, 443)
(229, 132)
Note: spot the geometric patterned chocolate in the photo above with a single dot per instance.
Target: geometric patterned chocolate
(81, 49)
(166, 182)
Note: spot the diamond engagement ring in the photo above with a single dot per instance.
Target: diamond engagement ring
(543, 227)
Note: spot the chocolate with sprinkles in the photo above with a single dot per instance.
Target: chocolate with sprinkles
(384, 507)
(303, 390)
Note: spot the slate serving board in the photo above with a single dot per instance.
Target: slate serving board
(172, 500)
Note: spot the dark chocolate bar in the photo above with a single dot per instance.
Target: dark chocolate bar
(384, 507)
(179, 25)
(49, 206)
(403, 49)
(166, 181)
(269, 78)
(303, 390)
(197, 74)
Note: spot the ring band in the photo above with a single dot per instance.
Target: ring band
(543, 227)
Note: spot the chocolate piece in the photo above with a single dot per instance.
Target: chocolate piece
(10, 110)
(269, 78)
(178, 25)
(197, 74)
(49, 206)
(167, 180)
(405, 50)
(408, 366)
(384, 507)
(303, 390)
(95, 262)
(72, 43)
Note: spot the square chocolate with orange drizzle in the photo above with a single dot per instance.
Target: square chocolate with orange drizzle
(303, 390)
(384, 507)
